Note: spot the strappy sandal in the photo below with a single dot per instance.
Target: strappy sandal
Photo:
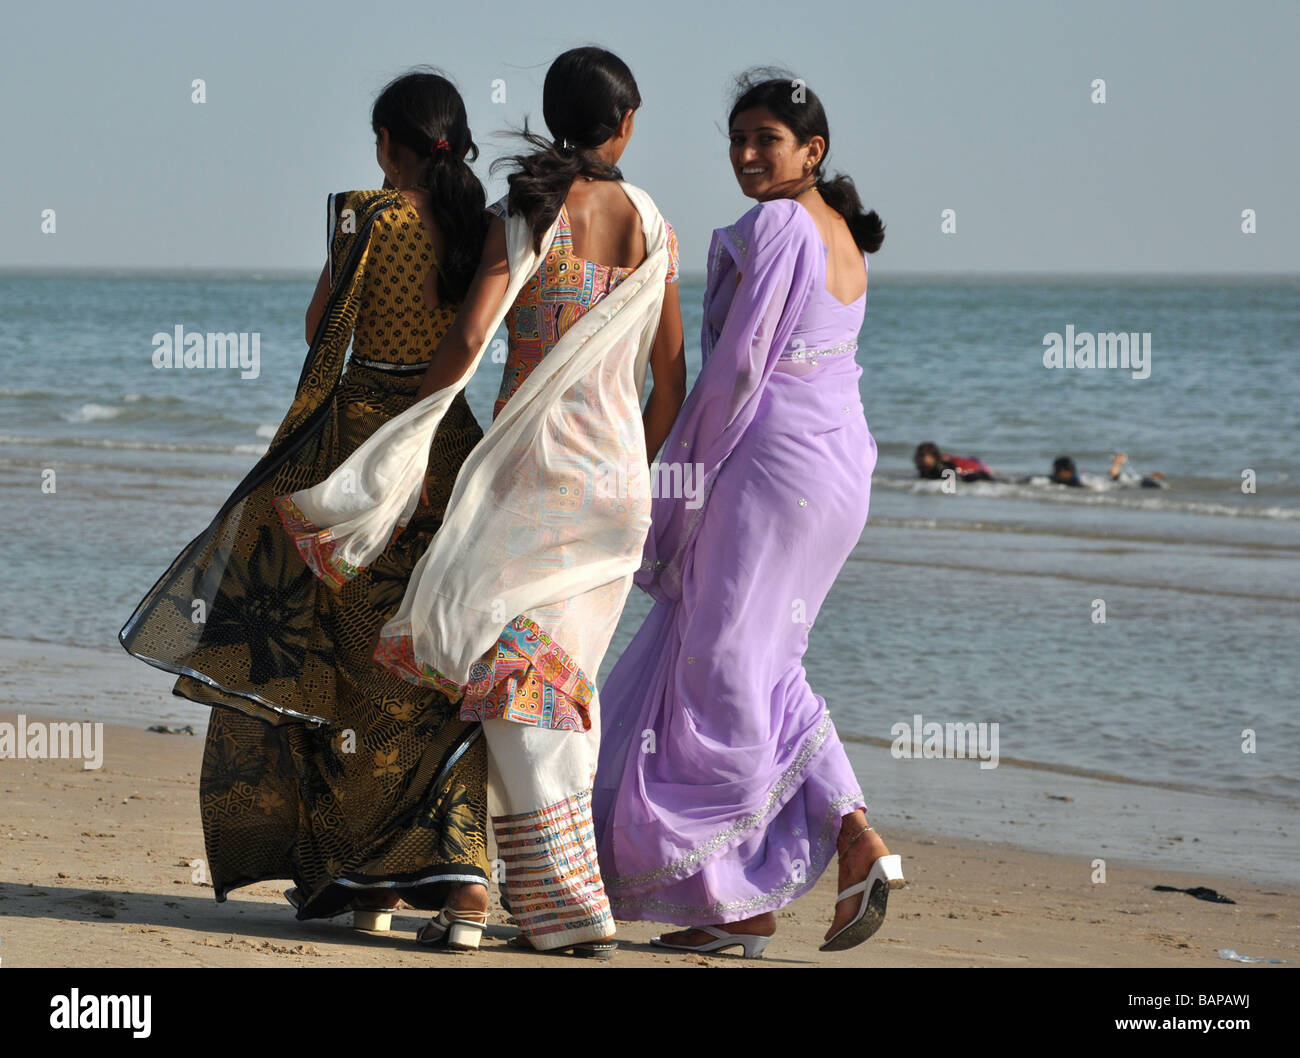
(370, 919)
(454, 930)
(885, 874)
(752, 943)
(590, 949)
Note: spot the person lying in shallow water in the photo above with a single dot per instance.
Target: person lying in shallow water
(1065, 473)
(931, 464)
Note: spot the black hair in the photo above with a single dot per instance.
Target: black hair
(425, 114)
(928, 448)
(798, 108)
(1066, 464)
(586, 94)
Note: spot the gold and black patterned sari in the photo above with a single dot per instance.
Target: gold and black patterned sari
(320, 765)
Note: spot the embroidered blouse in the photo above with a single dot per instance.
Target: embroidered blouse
(564, 288)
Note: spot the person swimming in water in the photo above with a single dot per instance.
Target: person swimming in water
(931, 464)
(1064, 472)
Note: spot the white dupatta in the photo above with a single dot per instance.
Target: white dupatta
(528, 525)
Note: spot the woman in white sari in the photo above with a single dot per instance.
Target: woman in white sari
(512, 607)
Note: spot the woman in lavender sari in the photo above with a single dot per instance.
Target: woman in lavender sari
(723, 787)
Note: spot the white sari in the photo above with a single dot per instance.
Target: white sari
(530, 539)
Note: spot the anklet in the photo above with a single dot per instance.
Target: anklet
(855, 839)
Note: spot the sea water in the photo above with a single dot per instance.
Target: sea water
(1144, 634)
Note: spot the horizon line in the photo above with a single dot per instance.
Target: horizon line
(142, 272)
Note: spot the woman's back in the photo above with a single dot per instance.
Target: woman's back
(827, 328)
(567, 284)
(834, 314)
(604, 224)
(841, 276)
(394, 322)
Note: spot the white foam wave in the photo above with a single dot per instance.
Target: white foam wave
(1113, 496)
(92, 413)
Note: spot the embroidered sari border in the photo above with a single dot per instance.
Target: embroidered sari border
(317, 546)
(523, 644)
(552, 878)
(782, 790)
(639, 906)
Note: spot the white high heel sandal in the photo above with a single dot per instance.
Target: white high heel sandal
(372, 921)
(885, 874)
(752, 943)
(457, 930)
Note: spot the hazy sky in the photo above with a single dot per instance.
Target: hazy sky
(982, 108)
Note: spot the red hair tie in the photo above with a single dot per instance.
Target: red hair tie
(441, 145)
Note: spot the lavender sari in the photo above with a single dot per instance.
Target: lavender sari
(722, 780)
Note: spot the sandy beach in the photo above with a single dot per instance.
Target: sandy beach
(97, 869)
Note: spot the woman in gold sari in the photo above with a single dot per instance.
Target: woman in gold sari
(319, 765)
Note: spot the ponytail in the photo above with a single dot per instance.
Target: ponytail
(867, 229)
(425, 114)
(541, 180)
(457, 202)
(586, 95)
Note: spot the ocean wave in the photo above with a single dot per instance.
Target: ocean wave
(153, 484)
(1282, 792)
(1017, 528)
(111, 444)
(8, 391)
(92, 413)
(1127, 498)
(126, 398)
(129, 411)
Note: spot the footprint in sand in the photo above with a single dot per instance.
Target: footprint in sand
(102, 904)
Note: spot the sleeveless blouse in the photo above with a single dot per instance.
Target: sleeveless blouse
(563, 290)
(820, 333)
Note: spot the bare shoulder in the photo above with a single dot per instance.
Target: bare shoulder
(832, 228)
(599, 198)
